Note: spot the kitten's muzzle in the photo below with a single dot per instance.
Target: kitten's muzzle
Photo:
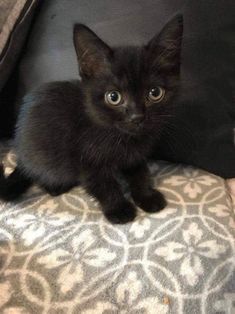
(136, 118)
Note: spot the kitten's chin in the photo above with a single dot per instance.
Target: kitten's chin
(128, 129)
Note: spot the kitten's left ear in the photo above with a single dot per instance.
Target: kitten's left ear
(164, 50)
(92, 53)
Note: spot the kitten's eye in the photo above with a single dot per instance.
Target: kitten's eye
(156, 94)
(113, 98)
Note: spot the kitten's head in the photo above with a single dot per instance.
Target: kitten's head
(129, 88)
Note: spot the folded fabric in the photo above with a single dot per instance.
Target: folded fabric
(15, 18)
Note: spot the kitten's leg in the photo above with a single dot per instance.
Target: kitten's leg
(142, 191)
(106, 189)
(58, 190)
(13, 186)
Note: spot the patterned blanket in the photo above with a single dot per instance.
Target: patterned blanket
(59, 255)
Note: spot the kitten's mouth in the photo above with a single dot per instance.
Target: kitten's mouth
(128, 128)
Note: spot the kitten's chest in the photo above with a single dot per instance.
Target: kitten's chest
(116, 151)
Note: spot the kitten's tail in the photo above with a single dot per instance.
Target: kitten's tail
(13, 186)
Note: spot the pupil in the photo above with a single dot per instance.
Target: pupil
(155, 92)
(114, 96)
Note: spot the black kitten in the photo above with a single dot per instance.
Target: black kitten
(89, 131)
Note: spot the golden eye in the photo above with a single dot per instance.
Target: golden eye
(113, 98)
(156, 94)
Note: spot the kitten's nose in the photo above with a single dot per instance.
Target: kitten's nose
(136, 118)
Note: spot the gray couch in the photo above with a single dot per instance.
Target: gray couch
(59, 255)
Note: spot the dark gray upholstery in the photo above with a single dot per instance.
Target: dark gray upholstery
(50, 54)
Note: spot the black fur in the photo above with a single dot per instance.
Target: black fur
(66, 133)
(15, 185)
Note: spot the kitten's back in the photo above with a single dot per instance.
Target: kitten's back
(46, 126)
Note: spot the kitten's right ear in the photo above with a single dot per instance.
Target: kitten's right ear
(92, 53)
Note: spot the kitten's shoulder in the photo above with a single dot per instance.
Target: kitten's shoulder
(60, 101)
(68, 91)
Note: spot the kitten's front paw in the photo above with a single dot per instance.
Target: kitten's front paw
(123, 213)
(151, 203)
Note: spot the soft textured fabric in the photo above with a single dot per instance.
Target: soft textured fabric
(59, 255)
(9, 12)
(206, 117)
(15, 17)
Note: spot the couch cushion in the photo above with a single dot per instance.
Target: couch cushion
(15, 17)
(59, 255)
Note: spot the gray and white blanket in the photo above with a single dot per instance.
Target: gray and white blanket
(59, 255)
